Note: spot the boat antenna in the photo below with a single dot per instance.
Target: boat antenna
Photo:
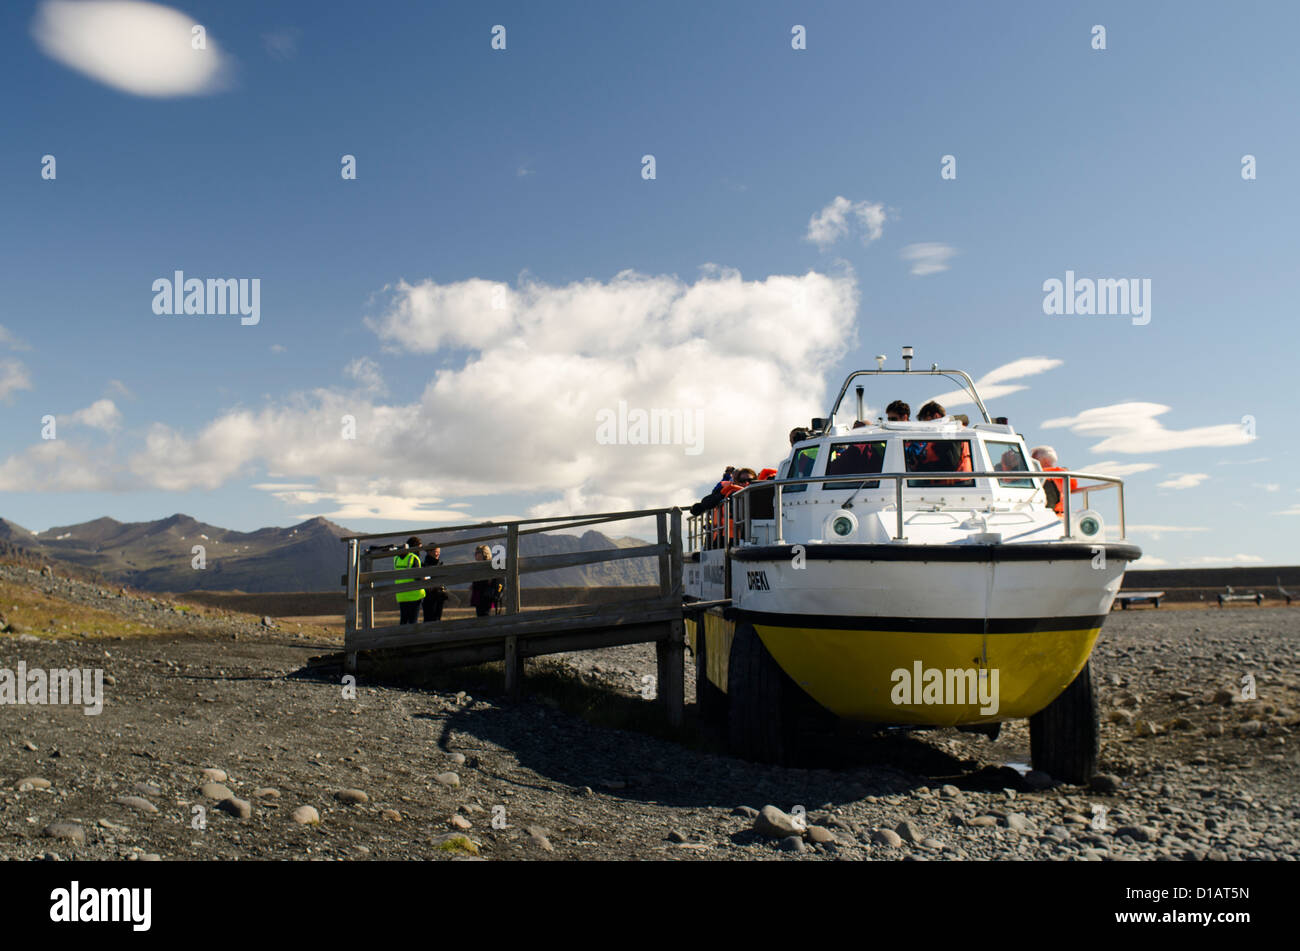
(907, 359)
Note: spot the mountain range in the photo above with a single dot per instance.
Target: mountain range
(309, 556)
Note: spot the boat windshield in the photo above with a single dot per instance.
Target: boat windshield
(801, 467)
(938, 455)
(1008, 457)
(855, 458)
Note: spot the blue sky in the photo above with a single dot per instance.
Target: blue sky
(522, 168)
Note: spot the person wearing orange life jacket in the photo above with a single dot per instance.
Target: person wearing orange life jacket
(1054, 488)
(942, 455)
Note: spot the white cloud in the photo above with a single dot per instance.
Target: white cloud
(1133, 428)
(101, 414)
(1187, 480)
(1293, 510)
(281, 44)
(1243, 462)
(56, 465)
(928, 257)
(1222, 560)
(7, 339)
(835, 220)
(1156, 532)
(1267, 486)
(13, 377)
(118, 388)
(1149, 561)
(993, 384)
(278, 348)
(140, 48)
(366, 372)
(514, 407)
(1120, 469)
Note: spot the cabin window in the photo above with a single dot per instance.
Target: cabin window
(855, 458)
(801, 467)
(1009, 457)
(938, 455)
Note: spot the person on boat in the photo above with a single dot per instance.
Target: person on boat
(799, 434)
(408, 598)
(898, 412)
(485, 594)
(434, 597)
(940, 455)
(1047, 458)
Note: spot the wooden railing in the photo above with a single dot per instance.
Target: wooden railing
(515, 633)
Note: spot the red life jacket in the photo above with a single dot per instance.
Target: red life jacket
(932, 456)
(1060, 487)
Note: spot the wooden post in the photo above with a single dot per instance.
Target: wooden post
(675, 555)
(665, 558)
(512, 570)
(513, 662)
(670, 667)
(350, 618)
(514, 667)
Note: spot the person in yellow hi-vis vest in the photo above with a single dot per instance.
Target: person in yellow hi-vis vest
(408, 598)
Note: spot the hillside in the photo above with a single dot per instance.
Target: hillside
(160, 556)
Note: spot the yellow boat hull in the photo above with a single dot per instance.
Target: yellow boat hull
(882, 676)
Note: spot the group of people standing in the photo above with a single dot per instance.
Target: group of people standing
(485, 594)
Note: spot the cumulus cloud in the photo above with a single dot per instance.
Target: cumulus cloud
(7, 339)
(1150, 561)
(527, 372)
(13, 377)
(835, 221)
(1188, 480)
(994, 383)
(144, 49)
(101, 414)
(57, 465)
(367, 373)
(1134, 428)
(927, 257)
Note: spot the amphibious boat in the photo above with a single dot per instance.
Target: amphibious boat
(866, 582)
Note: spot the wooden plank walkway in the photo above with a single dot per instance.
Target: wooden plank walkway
(513, 635)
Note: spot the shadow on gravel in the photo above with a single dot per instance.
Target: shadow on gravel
(636, 754)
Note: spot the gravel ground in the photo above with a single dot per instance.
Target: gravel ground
(1191, 771)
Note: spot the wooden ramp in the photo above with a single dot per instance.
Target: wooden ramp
(514, 635)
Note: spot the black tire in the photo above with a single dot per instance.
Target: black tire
(1065, 736)
(710, 701)
(758, 690)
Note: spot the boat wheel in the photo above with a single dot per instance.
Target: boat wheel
(1065, 736)
(758, 690)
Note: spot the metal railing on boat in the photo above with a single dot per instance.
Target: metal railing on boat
(731, 520)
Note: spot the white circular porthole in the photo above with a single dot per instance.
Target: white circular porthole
(841, 526)
(1089, 525)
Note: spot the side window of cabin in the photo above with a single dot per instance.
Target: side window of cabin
(938, 455)
(1008, 457)
(856, 458)
(801, 467)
